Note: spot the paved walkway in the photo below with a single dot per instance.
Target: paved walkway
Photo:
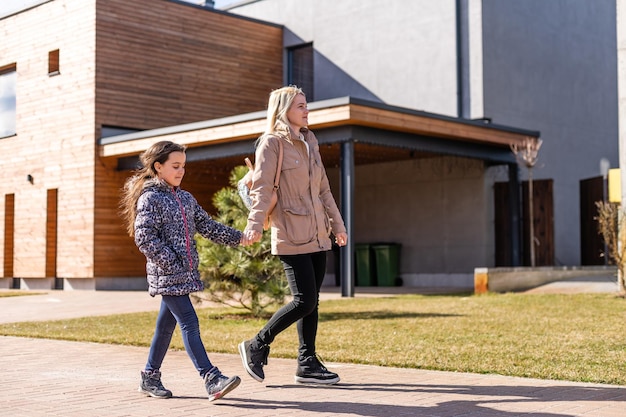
(41, 377)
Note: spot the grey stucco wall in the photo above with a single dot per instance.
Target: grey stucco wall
(546, 65)
(438, 209)
(621, 53)
(399, 52)
(550, 65)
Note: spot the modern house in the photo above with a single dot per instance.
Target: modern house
(416, 105)
(76, 71)
(548, 65)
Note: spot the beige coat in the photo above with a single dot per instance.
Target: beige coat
(306, 211)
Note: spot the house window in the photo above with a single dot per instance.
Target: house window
(300, 68)
(8, 77)
(53, 62)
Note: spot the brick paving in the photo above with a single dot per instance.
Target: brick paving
(40, 377)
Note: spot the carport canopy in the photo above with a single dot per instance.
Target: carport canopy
(354, 132)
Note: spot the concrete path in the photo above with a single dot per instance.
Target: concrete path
(41, 377)
(593, 284)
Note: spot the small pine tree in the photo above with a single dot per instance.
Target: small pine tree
(244, 277)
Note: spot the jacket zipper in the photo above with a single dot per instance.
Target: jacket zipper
(187, 244)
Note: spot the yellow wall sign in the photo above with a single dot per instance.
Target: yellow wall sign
(615, 186)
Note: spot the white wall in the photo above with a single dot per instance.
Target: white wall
(399, 52)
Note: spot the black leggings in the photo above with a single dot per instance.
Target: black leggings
(305, 274)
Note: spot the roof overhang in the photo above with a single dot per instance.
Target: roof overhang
(333, 121)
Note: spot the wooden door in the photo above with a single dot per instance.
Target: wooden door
(502, 224)
(9, 233)
(543, 223)
(51, 238)
(543, 213)
(591, 243)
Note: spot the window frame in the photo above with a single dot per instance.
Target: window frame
(5, 70)
(308, 86)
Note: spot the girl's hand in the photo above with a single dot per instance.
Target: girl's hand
(341, 239)
(251, 236)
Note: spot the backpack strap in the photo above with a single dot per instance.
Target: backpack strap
(279, 165)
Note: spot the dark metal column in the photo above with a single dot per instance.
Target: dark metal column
(462, 59)
(515, 223)
(347, 212)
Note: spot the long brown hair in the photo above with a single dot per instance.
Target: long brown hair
(159, 152)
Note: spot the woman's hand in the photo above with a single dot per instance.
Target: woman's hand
(248, 237)
(251, 236)
(341, 239)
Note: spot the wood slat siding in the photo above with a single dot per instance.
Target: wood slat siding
(159, 64)
(115, 252)
(55, 140)
(406, 122)
(203, 181)
(350, 114)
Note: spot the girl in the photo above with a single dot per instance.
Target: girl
(163, 220)
(301, 223)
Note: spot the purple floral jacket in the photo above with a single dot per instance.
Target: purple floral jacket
(166, 223)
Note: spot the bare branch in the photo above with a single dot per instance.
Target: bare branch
(527, 151)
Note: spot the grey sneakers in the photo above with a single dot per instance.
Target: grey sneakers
(218, 385)
(253, 359)
(312, 371)
(151, 385)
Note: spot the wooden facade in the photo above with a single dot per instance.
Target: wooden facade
(165, 70)
(133, 65)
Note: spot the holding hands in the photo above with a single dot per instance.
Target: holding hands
(248, 237)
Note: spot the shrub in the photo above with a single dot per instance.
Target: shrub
(244, 277)
(612, 227)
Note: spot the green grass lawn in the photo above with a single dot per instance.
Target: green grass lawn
(17, 293)
(578, 337)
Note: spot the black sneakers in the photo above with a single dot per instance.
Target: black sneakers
(253, 359)
(151, 385)
(312, 371)
(218, 385)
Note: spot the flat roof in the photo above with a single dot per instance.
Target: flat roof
(404, 124)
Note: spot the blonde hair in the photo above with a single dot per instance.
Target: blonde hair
(159, 152)
(279, 103)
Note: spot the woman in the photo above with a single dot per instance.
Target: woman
(301, 224)
(163, 220)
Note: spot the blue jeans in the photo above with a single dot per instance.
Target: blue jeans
(305, 274)
(178, 309)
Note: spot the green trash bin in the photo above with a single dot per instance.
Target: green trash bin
(387, 260)
(364, 265)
